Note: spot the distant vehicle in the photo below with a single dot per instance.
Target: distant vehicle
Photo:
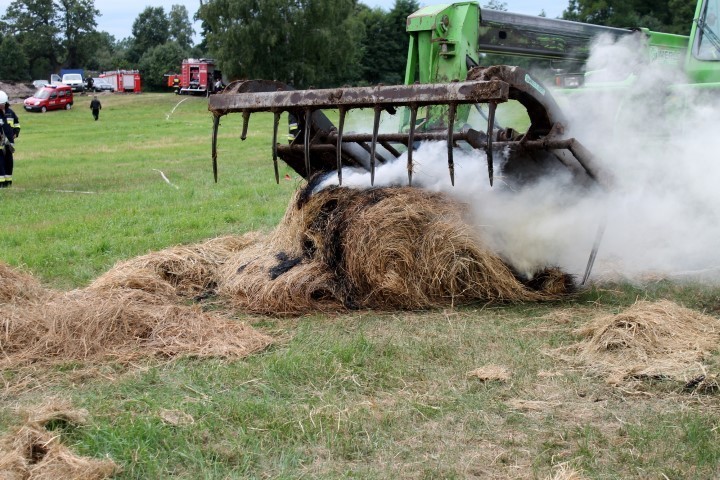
(74, 81)
(50, 97)
(124, 80)
(198, 76)
(39, 83)
(102, 85)
(55, 79)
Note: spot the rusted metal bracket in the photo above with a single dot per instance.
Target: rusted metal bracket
(382, 97)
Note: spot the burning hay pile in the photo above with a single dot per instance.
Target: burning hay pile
(32, 451)
(382, 248)
(648, 340)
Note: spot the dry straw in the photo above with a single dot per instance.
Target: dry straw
(382, 248)
(491, 373)
(17, 286)
(188, 271)
(649, 339)
(120, 324)
(31, 451)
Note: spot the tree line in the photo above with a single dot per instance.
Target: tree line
(305, 43)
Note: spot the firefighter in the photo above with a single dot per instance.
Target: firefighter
(7, 140)
(95, 106)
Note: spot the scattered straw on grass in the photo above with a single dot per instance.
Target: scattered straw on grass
(135, 310)
(491, 373)
(649, 339)
(31, 451)
(532, 405)
(119, 324)
(565, 472)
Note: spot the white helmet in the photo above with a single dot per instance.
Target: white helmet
(3, 98)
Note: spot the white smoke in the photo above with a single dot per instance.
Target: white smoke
(662, 214)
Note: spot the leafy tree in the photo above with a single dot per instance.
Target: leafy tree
(496, 5)
(672, 16)
(385, 44)
(303, 42)
(34, 24)
(50, 31)
(150, 29)
(77, 20)
(99, 51)
(683, 12)
(160, 60)
(13, 64)
(180, 28)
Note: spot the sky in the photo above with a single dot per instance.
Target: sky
(117, 16)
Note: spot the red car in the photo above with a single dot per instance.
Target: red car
(50, 97)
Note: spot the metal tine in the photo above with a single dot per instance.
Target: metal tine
(276, 123)
(411, 140)
(341, 125)
(451, 124)
(373, 145)
(216, 125)
(246, 121)
(491, 125)
(308, 122)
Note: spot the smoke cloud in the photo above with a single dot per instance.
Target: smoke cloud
(659, 142)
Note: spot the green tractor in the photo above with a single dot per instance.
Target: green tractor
(447, 89)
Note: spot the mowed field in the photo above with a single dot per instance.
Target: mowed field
(480, 391)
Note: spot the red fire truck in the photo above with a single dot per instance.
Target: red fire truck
(124, 80)
(198, 76)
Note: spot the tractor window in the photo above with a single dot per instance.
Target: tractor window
(707, 45)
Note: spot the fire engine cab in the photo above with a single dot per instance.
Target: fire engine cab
(198, 76)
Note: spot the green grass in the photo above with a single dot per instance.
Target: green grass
(87, 193)
(360, 395)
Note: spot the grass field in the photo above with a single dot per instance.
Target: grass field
(357, 395)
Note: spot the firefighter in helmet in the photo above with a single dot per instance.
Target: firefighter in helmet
(10, 128)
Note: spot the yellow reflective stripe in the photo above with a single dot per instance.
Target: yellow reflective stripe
(293, 126)
(8, 178)
(291, 137)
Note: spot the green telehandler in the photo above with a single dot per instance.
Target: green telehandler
(445, 81)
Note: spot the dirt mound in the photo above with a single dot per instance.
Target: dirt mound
(381, 248)
(649, 339)
(31, 451)
(17, 91)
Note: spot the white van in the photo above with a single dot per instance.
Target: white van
(74, 81)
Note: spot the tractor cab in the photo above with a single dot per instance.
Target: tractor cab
(702, 62)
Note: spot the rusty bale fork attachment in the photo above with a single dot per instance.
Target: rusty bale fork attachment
(320, 146)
